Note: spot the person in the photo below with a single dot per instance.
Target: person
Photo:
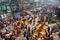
(39, 38)
(35, 34)
(26, 22)
(59, 33)
(3, 31)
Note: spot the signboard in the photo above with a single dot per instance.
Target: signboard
(3, 16)
(8, 9)
(4, 7)
(14, 8)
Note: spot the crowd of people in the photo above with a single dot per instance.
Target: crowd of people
(31, 27)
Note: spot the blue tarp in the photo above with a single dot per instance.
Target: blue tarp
(17, 15)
